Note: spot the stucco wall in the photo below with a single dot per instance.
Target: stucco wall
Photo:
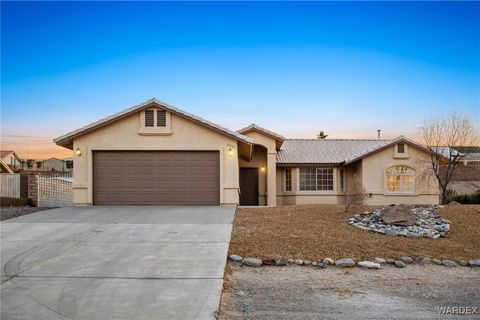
(123, 135)
(374, 180)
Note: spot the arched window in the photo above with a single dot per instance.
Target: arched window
(400, 179)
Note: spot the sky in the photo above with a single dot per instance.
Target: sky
(347, 68)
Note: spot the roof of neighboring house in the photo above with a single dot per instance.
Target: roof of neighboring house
(253, 127)
(472, 156)
(66, 139)
(4, 153)
(468, 149)
(333, 151)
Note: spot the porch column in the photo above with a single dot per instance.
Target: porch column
(272, 179)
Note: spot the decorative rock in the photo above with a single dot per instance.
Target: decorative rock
(240, 293)
(281, 262)
(236, 258)
(398, 215)
(461, 262)
(399, 264)
(426, 261)
(252, 262)
(322, 265)
(314, 263)
(328, 261)
(406, 260)
(307, 263)
(390, 232)
(436, 261)
(449, 263)
(268, 262)
(379, 260)
(290, 261)
(390, 261)
(347, 262)
(453, 203)
(474, 263)
(369, 264)
(299, 262)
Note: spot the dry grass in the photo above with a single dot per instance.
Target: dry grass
(316, 231)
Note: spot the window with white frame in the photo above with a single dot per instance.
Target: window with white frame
(316, 179)
(342, 180)
(400, 179)
(288, 179)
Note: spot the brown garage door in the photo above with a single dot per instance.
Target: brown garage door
(156, 177)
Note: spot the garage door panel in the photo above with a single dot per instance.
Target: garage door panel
(157, 177)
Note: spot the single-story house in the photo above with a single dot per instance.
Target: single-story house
(156, 154)
(55, 164)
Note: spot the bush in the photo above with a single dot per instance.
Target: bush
(469, 198)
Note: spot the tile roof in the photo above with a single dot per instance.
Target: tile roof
(62, 140)
(326, 151)
(254, 127)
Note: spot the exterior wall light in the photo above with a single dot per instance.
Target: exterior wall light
(262, 168)
(230, 151)
(78, 152)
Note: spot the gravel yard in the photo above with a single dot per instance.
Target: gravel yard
(14, 212)
(313, 232)
(300, 292)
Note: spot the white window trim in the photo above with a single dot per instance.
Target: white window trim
(333, 191)
(413, 192)
(285, 180)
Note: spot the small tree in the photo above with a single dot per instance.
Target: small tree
(322, 135)
(441, 136)
(355, 194)
(39, 164)
(30, 163)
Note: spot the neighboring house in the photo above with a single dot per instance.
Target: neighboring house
(154, 153)
(4, 168)
(471, 155)
(10, 158)
(55, 164)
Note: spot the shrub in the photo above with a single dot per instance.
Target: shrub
(469, 198)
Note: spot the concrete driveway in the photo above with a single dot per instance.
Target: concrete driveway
(115, 263)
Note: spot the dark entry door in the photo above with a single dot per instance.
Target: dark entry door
(249, 186)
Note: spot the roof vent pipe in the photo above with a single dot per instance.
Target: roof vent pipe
(378, 133)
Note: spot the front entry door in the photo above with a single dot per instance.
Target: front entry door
(249, 186)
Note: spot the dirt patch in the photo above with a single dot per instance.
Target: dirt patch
(295, 292)
(313, 232)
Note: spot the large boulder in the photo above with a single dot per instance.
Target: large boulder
(400, 215)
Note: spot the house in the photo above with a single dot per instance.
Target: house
(4, 168)
(55, 164)
(10, 158)
(156, 154)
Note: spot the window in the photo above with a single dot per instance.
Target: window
(342, 182)
(400, 179)
(400, 148)
(288, 179)
(149, 118)
(316, 179)
(161, 118)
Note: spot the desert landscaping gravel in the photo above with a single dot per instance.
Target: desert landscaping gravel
(313, 232)
(14, 212)
(300, 292)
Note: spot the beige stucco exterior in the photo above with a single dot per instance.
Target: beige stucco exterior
(184, 132)
(124, 135)
(371, 172)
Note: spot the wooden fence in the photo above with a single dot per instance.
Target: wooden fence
(10, 185)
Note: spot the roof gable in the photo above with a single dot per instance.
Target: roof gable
(253, 127)
(67, 139)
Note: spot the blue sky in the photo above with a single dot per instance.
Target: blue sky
(295, 68)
